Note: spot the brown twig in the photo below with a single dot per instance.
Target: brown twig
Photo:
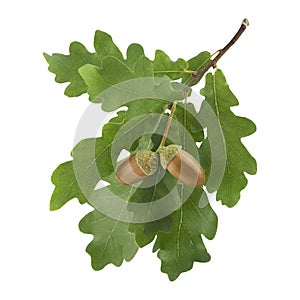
(213, 62)
(198, 74)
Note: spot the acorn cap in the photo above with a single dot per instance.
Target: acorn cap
(167, 153)
(147, 161)
(137, 167)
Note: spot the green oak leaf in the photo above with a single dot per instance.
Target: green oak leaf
(112, 242)
(183, 245)
(113, 84)
(66, 187)
(239, 160)
(65, 67)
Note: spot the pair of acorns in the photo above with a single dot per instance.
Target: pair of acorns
(183, 166)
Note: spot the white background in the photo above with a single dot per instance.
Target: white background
(255, 254)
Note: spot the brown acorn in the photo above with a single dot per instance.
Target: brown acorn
(182, 165)
(137, 167)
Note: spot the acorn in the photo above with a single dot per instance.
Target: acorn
(137, 167)
(182, 165)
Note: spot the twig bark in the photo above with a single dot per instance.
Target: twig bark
(199, 74)
(221, 52)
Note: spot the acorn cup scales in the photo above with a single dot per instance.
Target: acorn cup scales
(137, 167)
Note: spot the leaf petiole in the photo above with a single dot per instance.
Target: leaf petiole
(176, 71)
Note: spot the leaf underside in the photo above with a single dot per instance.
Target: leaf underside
(179, 235)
